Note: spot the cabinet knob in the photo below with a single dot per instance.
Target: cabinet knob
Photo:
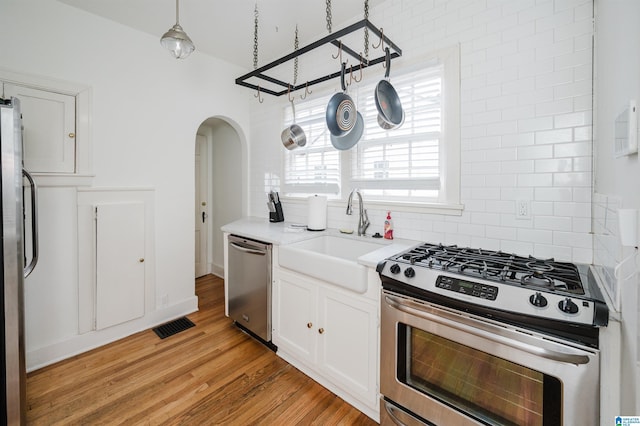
(141, 260)
(72, 135)
(309, 325)
(321, 330)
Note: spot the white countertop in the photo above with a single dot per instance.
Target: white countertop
(282, 233)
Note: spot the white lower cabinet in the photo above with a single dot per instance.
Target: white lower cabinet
(330, 334)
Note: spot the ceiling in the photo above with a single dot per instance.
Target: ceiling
(225, 29)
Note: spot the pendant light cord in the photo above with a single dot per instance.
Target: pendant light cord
(329, 16)
(177, 12)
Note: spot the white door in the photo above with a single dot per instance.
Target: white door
(202, 206)
(49, 121)
(119, 263)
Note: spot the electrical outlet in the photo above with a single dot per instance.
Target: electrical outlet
(523, 209)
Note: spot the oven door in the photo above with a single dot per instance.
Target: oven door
(443, 367)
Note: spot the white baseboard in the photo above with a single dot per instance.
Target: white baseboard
(80, 343)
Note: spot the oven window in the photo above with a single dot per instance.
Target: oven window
(486, 387)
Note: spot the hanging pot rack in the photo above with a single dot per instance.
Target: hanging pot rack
(334, 39)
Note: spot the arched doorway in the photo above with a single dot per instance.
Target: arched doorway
(220, 170)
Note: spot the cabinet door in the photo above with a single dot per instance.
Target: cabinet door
(348, 344)
(294, 316)
(49, 129)
(119, 263)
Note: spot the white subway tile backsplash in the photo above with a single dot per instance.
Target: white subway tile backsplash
(554, 20)
(526, 102)
(536, 12)
(554, 78)
(553, 194)
(535, 236)
(535, 179)
(519, 139)
(554, 165)
(554, 107)
(575, 59)
(535, 124)
(519, 248)
(542, 208)
(571, 90)
(553, 223)
(573, 239)
(501, 232)
(574, 29)
(572, 179)
(582, 164)
(561, 254)
(583, 103)
(582, 195)
(535, 152)
(576, 149)
(575, 119)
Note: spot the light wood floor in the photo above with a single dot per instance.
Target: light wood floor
(209, 374)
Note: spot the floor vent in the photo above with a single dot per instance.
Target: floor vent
(173, 327)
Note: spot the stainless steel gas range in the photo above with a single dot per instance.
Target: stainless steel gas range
(471, 336)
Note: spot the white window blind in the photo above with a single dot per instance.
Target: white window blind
(415, 163)
(314, 168)
(403, 163)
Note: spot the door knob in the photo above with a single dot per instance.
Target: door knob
(309, 325)
(141, 260)
(321, 330)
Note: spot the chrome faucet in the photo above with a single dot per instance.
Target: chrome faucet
(363, 221)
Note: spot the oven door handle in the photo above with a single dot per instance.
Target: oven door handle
(485, 331)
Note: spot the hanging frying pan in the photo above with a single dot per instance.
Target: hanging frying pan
(349, 140)
(341, 111)
(293, 136)
(387, 99)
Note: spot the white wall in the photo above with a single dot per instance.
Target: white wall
(525, 116)
(617, 181)
(146, 108)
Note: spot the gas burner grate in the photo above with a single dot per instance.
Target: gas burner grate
(497, 266)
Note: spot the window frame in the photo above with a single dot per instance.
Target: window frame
(448, 201)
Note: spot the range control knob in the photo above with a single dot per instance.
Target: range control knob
(409, 272)
(395, 268)
(567, 306)
(538, 300)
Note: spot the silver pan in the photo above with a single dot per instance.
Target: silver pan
(387, 100)
(341, 110)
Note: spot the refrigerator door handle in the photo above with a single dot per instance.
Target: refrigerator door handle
(34, 224)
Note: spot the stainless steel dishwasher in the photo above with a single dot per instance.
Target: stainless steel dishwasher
(249, 286)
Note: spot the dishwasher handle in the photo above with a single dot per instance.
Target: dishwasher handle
(247, 249)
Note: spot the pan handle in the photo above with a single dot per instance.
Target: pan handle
(387, 62)
(342, 73)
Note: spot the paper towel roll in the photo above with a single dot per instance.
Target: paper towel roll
(317, 215)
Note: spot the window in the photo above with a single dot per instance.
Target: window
(417, 163)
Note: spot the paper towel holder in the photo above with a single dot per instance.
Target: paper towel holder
(319, 222)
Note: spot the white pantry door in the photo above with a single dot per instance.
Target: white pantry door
(120, 289)
(202, 206)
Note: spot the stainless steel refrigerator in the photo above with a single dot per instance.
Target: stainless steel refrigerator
(15, 265)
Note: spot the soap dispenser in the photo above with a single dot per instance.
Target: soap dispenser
(388, 227)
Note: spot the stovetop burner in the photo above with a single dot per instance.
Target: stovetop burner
(497, 266)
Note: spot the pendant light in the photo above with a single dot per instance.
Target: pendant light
(176, 40)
